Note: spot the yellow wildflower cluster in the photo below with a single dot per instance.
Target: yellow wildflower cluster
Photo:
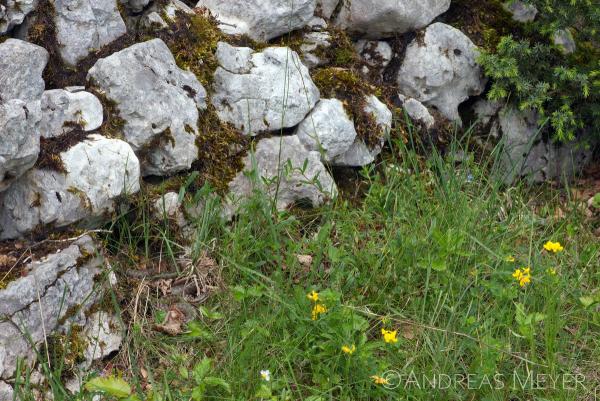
(349, 349)
(318, 309)
(553, 247)
(379, 380)
(523, 276)
(390, 336)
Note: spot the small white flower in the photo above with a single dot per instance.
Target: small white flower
(266, 375)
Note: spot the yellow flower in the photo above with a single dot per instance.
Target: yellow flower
(317, 310)
(379, 380)
(551, 271)
(510, 259)
(349, 349)
(313, 296)
(389, 336)
(553, 246)
(523, 275)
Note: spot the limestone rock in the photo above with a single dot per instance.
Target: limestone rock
(417, 111)
(301, 175)
(57, 287)
(262, 91)
(86, 25)
(19, 139)
(359, 154)
(261, 20)
(312, 44)
(527, 154)
(60, 108)
(563, 38)
(440, 70)
(97, 172)
(327, 130)
(135, 5)
(6, 391)
(375, 53)
(159, 102)
(13, 13)
(376, 19)
(522, 12)
(21, 67)
(103, 335)
(325, 8)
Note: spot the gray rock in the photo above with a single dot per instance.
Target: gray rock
(314, 43)
(103, 335)
(327, 129)
(19, 139)
(159, 102)
(21, 67)
(261, 20)
(485, 110)
(522, 12)
(173, 6)
(325, 8)
(6, 391)
(98, 172)
(441, 70)
(527, 154)
(61, 108)
(83, 26)
(262, 91)
(563, 38)
(417, 111)
(135, 5)
(375, 53)
(300, 173)
(359, 154)
(13, 13)
(376, 19)
(60, 286)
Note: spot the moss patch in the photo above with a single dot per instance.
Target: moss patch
(193, 38)
(51, 148)
(352, 90)
(112, 125)
(221, 149)
(485, 22)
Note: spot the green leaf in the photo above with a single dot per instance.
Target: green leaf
(587, 301)
(202, 369)
(113, 386)
(217, 382)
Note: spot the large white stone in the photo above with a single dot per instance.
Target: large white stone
(56, 290)
(83, 26)
(21, 67)
(325, 8)
(98, 172)
(327, 129)
(159, 102)
(440, 70)
(260, 19)
(13, 13)
(359, 154)
(376, 19)
(262, 91)
(61, 108)
(526, 153)
(19, 139)
(282, 168)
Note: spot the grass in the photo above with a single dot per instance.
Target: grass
(423, 253)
